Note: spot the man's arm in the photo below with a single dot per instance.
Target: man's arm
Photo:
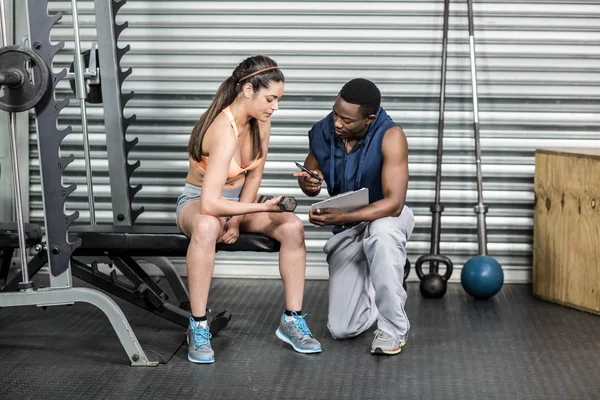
(394, 177)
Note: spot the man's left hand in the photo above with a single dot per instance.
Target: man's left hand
(327, 216)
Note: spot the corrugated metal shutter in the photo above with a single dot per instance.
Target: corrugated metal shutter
(538, 87)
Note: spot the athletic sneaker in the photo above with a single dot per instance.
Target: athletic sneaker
(294, 331)
(385, 343)
(198, 340)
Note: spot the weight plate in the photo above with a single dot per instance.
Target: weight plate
(36, 80)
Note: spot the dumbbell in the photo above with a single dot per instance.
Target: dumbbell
(287, 203)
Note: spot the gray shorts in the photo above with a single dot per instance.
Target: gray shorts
(192, 192)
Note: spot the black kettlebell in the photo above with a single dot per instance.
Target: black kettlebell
(433, 285)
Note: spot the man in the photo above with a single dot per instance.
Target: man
(358, 146)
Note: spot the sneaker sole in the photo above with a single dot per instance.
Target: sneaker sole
(284, 338)
(379, 350)
(201, 360)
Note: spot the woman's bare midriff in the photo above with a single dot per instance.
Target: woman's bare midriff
(195, 177)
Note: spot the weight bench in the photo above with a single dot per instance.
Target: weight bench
(147, 240)
(121, 247)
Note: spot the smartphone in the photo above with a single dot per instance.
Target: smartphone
(303, 168)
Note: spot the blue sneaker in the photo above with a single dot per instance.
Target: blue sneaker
(294, 331)
(198, 340)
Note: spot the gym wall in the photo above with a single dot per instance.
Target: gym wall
(538, 87)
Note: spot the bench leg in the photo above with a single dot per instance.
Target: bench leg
(217, 323)
(56, 297)
(144, 292)
(140, 279)
(175, 282)
(136, 293)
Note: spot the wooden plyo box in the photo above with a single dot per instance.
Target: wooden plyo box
(566, 256)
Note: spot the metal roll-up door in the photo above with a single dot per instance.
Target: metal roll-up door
(538, 87)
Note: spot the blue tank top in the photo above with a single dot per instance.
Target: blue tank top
(361, 168)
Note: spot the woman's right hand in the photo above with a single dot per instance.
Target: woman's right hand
(272, 204)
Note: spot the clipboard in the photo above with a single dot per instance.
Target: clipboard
(347, 201)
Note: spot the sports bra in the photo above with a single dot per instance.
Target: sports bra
(234, 168)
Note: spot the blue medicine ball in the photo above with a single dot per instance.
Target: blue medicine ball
(482, 277)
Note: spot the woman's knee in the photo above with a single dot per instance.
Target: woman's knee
(205, 230)
(291, 228)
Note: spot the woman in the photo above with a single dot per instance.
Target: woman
(227, 149)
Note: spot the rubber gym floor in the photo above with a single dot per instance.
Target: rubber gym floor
(511, 347)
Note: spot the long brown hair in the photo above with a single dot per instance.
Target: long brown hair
(227, 93)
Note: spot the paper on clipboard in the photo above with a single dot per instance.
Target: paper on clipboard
(348, 201)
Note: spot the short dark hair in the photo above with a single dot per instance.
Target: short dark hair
(364, 93)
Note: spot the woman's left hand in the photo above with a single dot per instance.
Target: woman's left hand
(231, 232)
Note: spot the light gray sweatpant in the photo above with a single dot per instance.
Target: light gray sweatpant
(366, 272)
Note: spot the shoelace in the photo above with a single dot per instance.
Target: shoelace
(201, 335)
(301, 323)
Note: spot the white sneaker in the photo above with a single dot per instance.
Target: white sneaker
(384, 343)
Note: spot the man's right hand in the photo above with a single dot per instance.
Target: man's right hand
(309, 184)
